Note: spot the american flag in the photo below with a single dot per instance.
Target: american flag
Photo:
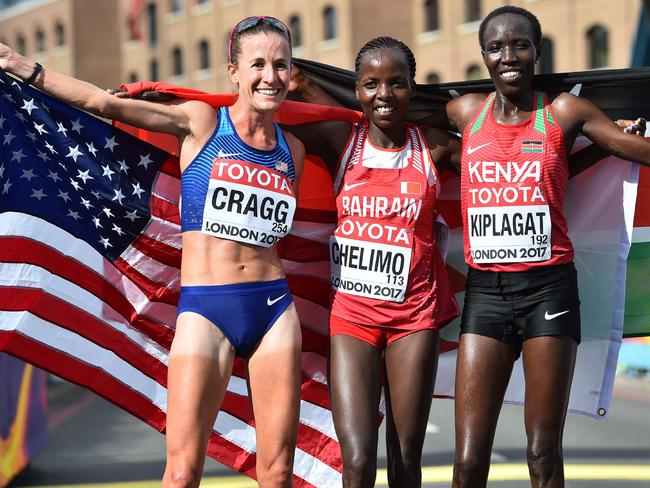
(89, 274)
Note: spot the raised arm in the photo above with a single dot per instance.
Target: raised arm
(578, 115)
(170, 118)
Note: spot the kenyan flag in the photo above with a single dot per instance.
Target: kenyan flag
(637, 288)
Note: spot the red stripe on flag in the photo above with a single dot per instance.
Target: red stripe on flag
(165, 210)
(322, 447)
(315, 392)
(642, 213)
(161, 252)
(302, 250)
(314, 290)
(155, 292)
(312, 341)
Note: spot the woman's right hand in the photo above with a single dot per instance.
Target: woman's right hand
(149, 95)
(5, 53)
(297, 80)
(10, 60)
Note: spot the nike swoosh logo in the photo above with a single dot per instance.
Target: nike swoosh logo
(551, 316)
(354, 185)
(270, 302)
(470, 150)
(222, 154)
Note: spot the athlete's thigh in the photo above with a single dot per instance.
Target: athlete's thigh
(483, 369)
(355, 387)
(548, 369)
(200, 365)
(411, 364)
(274, 372)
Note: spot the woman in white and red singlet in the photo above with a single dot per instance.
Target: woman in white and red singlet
(391, 292)
(521, 294)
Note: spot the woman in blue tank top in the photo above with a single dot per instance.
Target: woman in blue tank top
(239, 185)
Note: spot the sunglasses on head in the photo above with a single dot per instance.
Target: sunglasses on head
(250, 22)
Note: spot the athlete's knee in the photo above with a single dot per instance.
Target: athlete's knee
(544, 461)
(276, 471)
(359, 468)
(470, 470)
(182, 475)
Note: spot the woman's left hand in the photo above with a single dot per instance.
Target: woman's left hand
(637, 126)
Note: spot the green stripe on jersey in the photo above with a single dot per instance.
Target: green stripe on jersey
(539, 114)
(479, 120)
(549, 117)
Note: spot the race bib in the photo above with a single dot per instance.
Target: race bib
(508, 222)
(248, 203)
(371, 259)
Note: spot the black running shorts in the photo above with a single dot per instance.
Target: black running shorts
(515, 306)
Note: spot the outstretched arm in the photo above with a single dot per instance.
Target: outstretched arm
(585, 158)
(577, 115)
(169, 118)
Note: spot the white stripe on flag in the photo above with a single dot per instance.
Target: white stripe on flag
(164, 231)
(640, 234)
(82, 349)
(154, 270)
(38, 230)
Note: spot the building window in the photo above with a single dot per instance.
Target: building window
(432, 78)
(546, 63)
(153, 70)
(40, 41)
(472, 10)
(473, 72)
(59, 34)
(598, 39)
(329, 23)
(431, 15)
(201, 2)
(152, 24)
(133, 77)
(295, 27)
(177, 61)
(175, 5)
(204, 54)
(21, 45)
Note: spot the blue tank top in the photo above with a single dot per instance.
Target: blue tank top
(225, 143)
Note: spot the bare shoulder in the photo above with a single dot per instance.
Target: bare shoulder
(565, 102)
(195, 109)
(571, 111)
(461, 110)
(202, 117)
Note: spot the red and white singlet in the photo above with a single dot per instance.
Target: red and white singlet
(513, 181)
(386, 268)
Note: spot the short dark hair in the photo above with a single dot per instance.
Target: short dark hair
(386, 42)
(261, 27)
(509, 9)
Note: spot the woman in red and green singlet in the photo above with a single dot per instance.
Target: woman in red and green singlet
(521, 295)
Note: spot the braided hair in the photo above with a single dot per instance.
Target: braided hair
(385, 42)
(509, 9)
